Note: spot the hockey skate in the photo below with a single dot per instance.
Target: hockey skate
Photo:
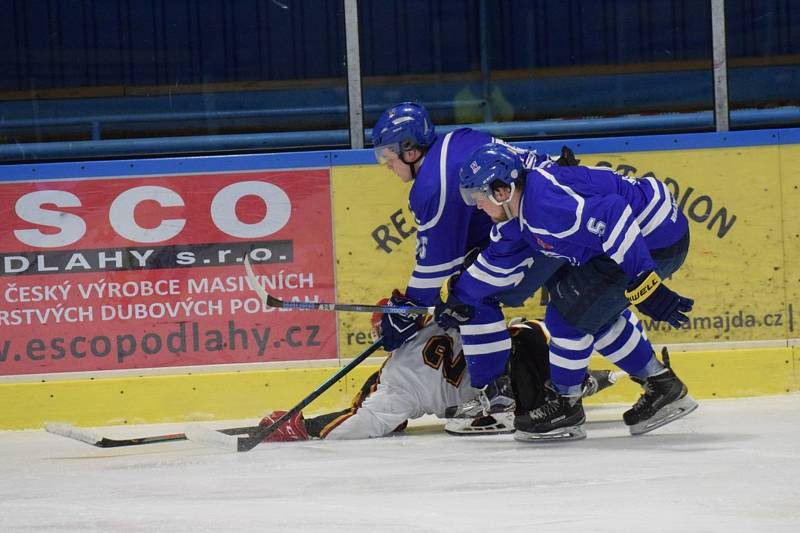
(491, 412)
(496, 424)
(665, 400)
(559, 418)
(291, 430)
(597, 380)
(496, 397)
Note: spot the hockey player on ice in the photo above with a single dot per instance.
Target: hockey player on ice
(427, 375)
(406, 142)
(621, 236)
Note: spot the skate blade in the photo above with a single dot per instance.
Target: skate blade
(498, 424)
(556, 435)
(453, 413)
(665, 415)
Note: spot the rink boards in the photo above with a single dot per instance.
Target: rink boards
(105, 322)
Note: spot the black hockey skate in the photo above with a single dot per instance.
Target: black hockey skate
(597, 380)
(496, 397)
(496, 424)
(559, 418)
(665, 400)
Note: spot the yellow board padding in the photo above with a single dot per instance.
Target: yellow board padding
(251, 394)
(375, 241)
(173, 398)
(719, 374)
(790, 199)
(743, 268)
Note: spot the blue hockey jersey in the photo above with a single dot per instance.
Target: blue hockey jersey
(499, 268)
(569, 213)
(577, 213)
(446, 227)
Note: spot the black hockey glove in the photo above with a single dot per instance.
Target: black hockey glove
(452, 312)
(567, 158)
(398, 328)
(654, 299)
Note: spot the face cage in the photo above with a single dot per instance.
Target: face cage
(470, 196)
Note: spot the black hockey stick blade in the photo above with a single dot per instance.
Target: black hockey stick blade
(204, 435)
(272, 301)
(89, 437)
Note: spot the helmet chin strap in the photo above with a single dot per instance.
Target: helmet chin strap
(507, 210)
(505, 204)
(412, 164)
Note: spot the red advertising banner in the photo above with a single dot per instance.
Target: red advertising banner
(143, 272)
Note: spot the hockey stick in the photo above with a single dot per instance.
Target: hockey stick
(272, 301)
(89, 437)
(217, 439)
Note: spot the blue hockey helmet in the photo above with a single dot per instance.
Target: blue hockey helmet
(401, 128)
(490, 165)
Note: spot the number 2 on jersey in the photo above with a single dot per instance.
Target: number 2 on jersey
(438, 353)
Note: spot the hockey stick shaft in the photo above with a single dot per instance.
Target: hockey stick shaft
(272, 301)
(75, 433)
(244, 444)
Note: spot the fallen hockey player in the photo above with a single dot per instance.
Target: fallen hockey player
(428, 375)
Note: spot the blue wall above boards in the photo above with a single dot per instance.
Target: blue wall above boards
(125, 70)
(130, 43)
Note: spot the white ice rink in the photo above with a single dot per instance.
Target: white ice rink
(732, 465)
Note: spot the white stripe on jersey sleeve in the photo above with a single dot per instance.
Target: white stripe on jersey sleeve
(654, 201)
(615, 233)
(488, 266)
(442, 185)
(495, 281)
(661, 198)
(426, 283)
(429, 269)
(660, 216)
(627, 242)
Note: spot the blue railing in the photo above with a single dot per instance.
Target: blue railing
(685, 122)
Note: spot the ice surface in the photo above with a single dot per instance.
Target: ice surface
(732, 465)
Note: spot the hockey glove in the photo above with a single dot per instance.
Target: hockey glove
(653, 298)
(452, 312)
(470, 257)
(398, 328)
(375, 320)
(567, 158)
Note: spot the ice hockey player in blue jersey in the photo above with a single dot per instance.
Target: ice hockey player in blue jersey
(620, 236)
(406, 142)
(447, 230)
